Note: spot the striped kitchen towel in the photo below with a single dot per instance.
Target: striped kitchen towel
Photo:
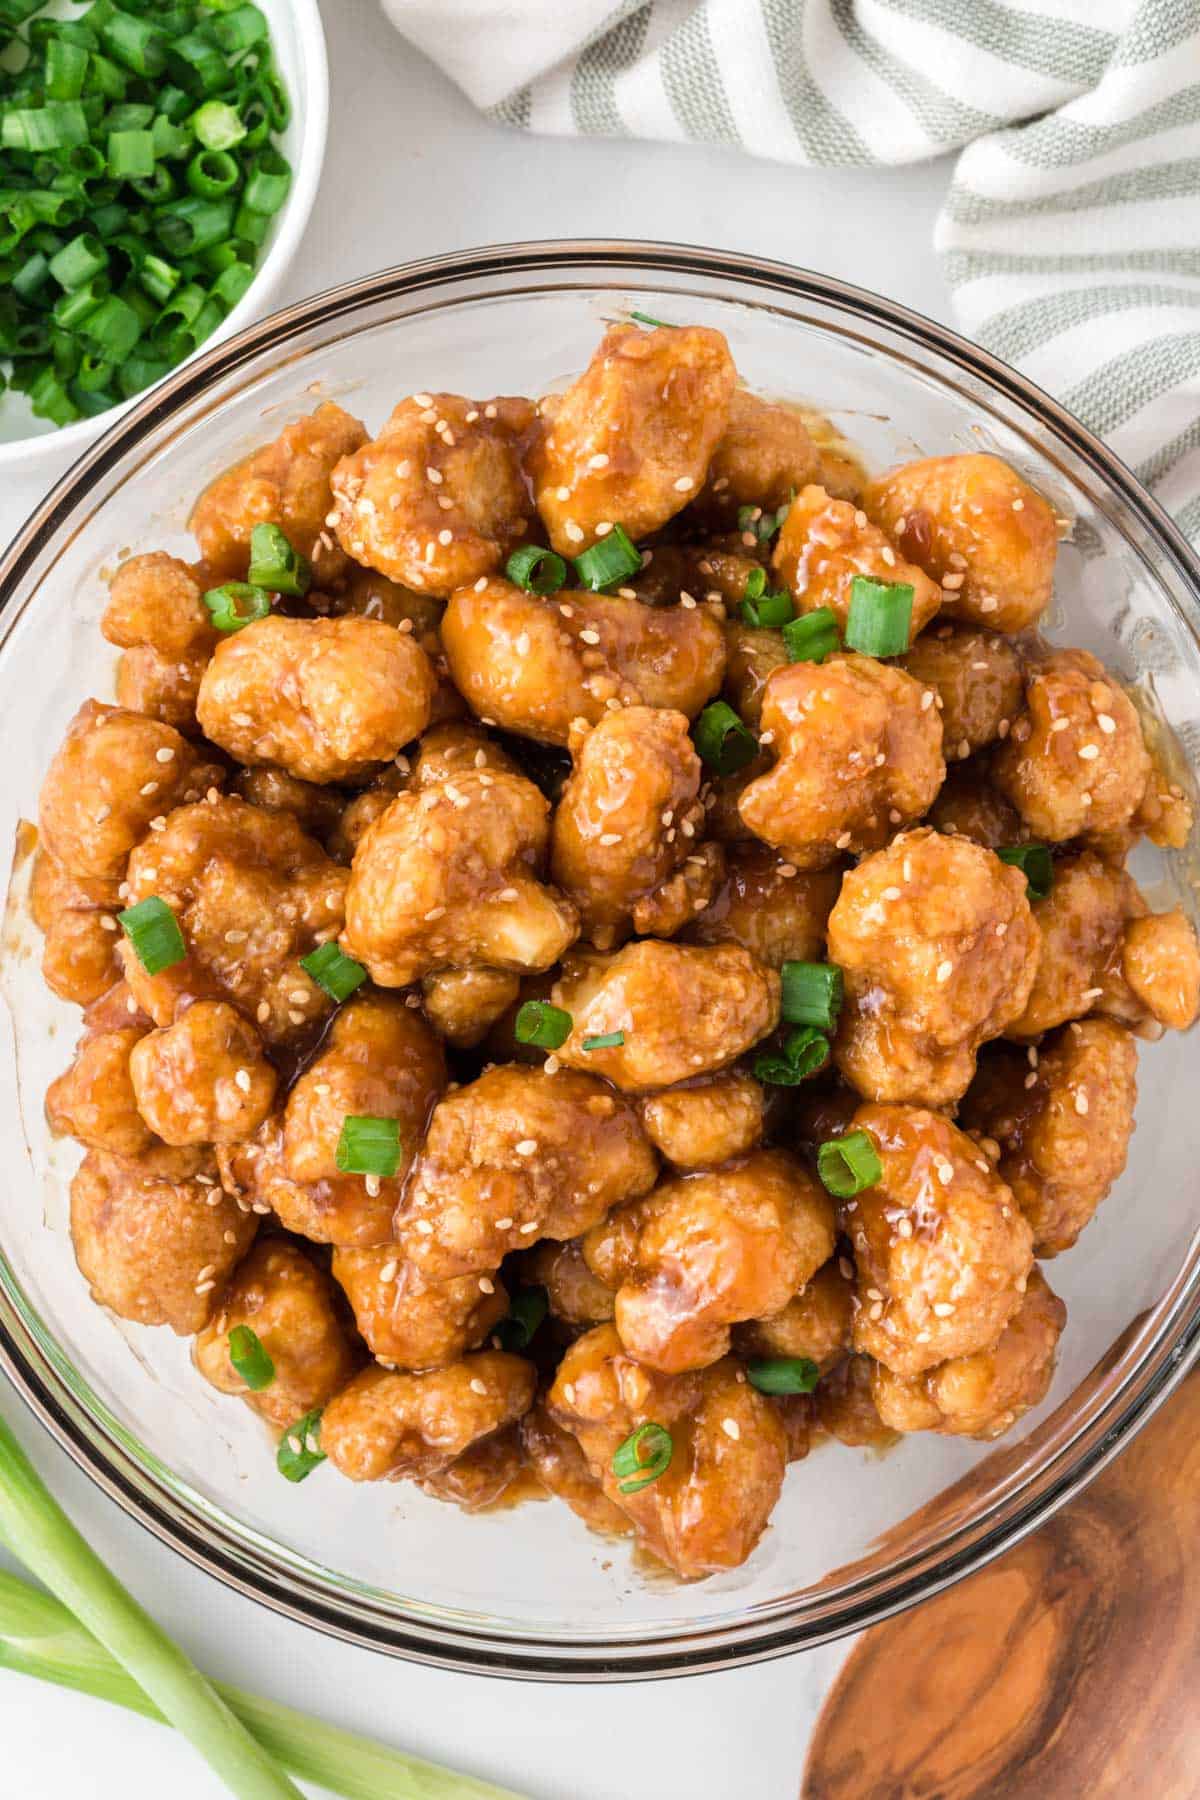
(1070, 235)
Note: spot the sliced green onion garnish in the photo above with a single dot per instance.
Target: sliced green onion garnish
(783, 1374)
(130, 155)
(848, 1164)
(369, 1145)
(537, 571)
(756, 583)
(611, 559)
(606, 1040)
(237, 604)
(275, 565)
(812, 994)
(217, 125)
(880, 617)
(642, 1458)
(812, 637)
(769, 612)
(723, 740)
(78, 261)
(752, 520)
(334, 971)
(805, 1052)
(649, 319)
(527, 1308)
(249, 1359)
(540, 1023)
(153, 930)
(133, 43)
(1035, 863)
(300, 1449)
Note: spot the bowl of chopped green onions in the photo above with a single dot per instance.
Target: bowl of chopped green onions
(158, 163)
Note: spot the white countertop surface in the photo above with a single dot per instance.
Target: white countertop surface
(413, 171)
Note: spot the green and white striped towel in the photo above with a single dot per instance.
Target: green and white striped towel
(1070, 236)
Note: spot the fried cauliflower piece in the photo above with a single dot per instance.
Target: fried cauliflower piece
(205, 1079)
(980, 530)
(387, 1427)
(154, 1235)
(630, 441)
(464, 1004)
(815, 1323)
(752, 656)
(439, 498)
(845, 1405)
(682, 1010)
(969, 806)
(94, 1101)
(367, 594)
(290, 1305)
(769, 907)
(977, 678)
(824, 544)
(346, 1210)
(285, 483)
(252, 895)
(1160, 965)
(705, 1122)
(574, 1293)
(1076, 762)
(858, 748)
(1063, 1126)
(158, 601)
(719, 1248)
(409, 1323)
(984, 1394)
(943, 1252)
(482, 1475)
(450, 750)
(627, 817)
(323, 698)
(317, 810)
(938, 948)
(764, 457)
(709, 1508)
(112, 774)
(560, 1465)
(448, 877)
(532, 666)
(162, 687)
(77, 915)
(515, 1156)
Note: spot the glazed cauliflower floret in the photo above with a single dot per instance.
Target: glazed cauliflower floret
(560, 1465)
(977, 678)
(938, 947)
(348, 1210)
(482, 1474)
(715, 1249)
(158, 601)
(980, 530)
(286, 483)
(409, 1323)
(845, 1405)
(969, 806)
(386, 1427)
(824, 544)
(154, 1236)
(112, 774)
(464, 1004)
(1160, 965)
(769, 907)
(450, 750)
(629, 442)
(681, 1010)
(515, 1156)
(981, 1395)
(707, 1122)
(439, 498)
(94, 1101)
(205, 1079)
(532, 666)
(627, 817)
(252, 895)
(764, 457)
(448, 877)
(815, 1324)
(943, 1252)
(78, 916)
(858, 748)
(162, 687)
(573, 1292)
(290, 1305)
(708, 1509)
(367, 594)
(1063, 1126)
(317, 810)
(322, 698)
(752, 655)
(1076, 761)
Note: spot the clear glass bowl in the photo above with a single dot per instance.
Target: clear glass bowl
(529, 1591)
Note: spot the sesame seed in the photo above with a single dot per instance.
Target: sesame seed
(296, 1018)
(603, 528)
(528, 1230)
(684, 484)
(1089, 752)
(589, 637)
(688, 602)
(477, 1386)
(101, 813)
(927, 700)
(1018, 506)
(435, 912)
(486, 1285)
(953, 582)
(610, 837)
(943, 1309)
(298, 996)
(846, 1268)
(730, 1427)
(891, 893)
(165, 755)
(599, 461)
(445, 537)
(262, 1012)
(434, 475)
(107, 922)
(1002, 928)
(842, 842)
(508, 893)
(205, 1287)
(889, 556)
(1031, 1080)
(945, 1172)
(1093, 993)
(526, 1147)
(944, 971)
(489, 411)
(876, 1311)
(905, 1227)
(424, 1227)
(504, 1224)
(242, 1080)
(1107, 723)
(1081, 1102)
(573, 531)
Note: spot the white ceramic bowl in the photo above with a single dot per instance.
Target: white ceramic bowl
(299, 44)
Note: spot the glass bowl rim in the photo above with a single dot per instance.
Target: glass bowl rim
(252, 1566)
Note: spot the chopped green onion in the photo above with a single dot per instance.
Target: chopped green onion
(540, 1023)
(338, 974)
(212, 173)
(812, 994)
(153, 930)
(752, 521)
(66, 67)
(115, 326)
(232, 283)
(812, 637)
(537, 571)
(55, 126)
(197, 65)
(267, 184)
(300, 1451)
(649, 319)
(723, 740)
(237, 604)
(239, 28)
(805, 1052)
(847, 1165)
(769, 612)
(526, 1310)
(249, 1359)
(193, 223)
(756, 583)
(609, 560)
(158, 278)
(134, 43)
(275, 565)
(879, 621)
(130, 155)
(1035, 863)
(217, 125)
(78, 261)
(605, 1040)
(635, 1470)
(369, 1145)
(783, 1374)
(170, 140)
